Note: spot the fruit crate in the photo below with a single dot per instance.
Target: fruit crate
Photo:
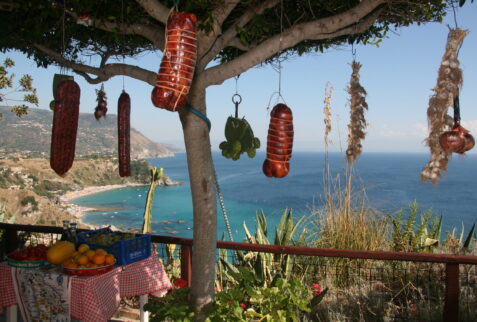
(26, 264)
(126, 251)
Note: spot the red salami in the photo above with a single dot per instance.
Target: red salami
(178, 63)
(65, 126)
(124, 112)
(279, 142)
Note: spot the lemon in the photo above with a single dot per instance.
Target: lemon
(83, 248)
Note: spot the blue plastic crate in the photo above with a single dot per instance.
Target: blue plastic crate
(125, 251)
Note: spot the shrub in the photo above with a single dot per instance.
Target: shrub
(30, 200)
(247, 300)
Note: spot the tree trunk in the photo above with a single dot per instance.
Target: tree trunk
(201, 176)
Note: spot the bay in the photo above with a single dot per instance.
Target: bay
(389, 181)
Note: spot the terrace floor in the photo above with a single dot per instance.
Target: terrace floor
(126, 315)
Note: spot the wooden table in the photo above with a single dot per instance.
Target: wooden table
(97, 298)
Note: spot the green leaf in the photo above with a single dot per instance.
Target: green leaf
(317, 299)
(468, 240)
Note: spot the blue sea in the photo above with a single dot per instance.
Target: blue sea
(389, 181)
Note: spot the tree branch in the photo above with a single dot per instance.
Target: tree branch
(221, 12)
(155, 9)
(346, 23)
(103, 73)
(231, 32)
(153, 34)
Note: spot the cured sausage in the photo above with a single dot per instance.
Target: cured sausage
(279, 142)
(65, 126)
(178, 63)
(124, 155)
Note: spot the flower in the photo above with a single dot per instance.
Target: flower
(180, 283)
(243, 305)
(317, 289)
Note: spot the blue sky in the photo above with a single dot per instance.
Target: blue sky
(398, 76)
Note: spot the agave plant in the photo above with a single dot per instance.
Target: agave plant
(266, 266)
(409, 235)
(457, 244)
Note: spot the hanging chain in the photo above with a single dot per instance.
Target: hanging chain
(221, 201)
(279, 68)
(455, 14)
(280, 51)
(123, 38)
(62, 69)
(236, 83)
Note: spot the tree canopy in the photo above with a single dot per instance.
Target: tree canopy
(239, 33)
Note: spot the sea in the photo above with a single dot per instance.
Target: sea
(389, 182)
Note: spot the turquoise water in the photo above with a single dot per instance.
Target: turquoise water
(391, 181)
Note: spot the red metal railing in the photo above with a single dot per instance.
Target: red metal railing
(452, 262)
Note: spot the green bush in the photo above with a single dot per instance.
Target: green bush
(30, 200)
(140, 170)
(248, 300)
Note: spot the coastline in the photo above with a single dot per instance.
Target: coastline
(79, 211)
(70, 195)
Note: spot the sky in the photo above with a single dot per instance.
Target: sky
(398, 76)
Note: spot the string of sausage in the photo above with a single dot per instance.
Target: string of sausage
(279, 142)
(65, 126)
(124, 156)
(178, 63)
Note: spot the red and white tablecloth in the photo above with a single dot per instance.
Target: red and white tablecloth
(96, 298)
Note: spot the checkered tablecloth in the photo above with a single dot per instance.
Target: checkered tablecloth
(96, 298)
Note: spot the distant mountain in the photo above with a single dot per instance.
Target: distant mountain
(30, 135)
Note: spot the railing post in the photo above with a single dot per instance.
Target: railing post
(186, 263)
(11, 240)
(451, 305)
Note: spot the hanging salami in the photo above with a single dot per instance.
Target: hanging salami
(65, 126)
(178, 63)
(279, 142)
(124, 112)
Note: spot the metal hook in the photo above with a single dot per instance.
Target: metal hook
(236, 99)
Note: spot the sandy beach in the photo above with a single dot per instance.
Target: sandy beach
(70, 195)
(79, 211)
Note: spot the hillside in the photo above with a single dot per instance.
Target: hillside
(30, 136)
(30, 190)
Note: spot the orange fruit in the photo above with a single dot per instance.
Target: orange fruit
(109, 259)
(101, 251)
(69, 263)
(99, 259)
(90, 253)
(82, 260)
(72, 265)
(83, 248)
